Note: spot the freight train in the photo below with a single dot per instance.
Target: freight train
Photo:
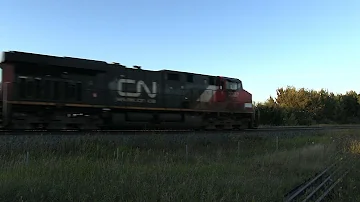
(50, 92)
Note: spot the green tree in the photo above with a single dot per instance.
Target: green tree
(293, 106)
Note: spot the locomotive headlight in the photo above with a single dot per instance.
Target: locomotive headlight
(248, 105)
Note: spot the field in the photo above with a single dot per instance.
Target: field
(228, 167)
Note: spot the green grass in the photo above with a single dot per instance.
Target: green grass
(157, 168)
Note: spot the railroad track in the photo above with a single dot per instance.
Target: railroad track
(265, 129)
(319, 187)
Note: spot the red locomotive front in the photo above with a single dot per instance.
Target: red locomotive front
(232, 96)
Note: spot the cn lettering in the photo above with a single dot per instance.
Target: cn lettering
(139, 86)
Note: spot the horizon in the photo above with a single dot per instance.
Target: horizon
(267, 45)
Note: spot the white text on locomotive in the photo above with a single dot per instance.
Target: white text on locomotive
(134, 96)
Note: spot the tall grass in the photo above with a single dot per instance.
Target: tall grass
(160, 168)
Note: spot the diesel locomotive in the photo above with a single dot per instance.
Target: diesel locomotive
(50, 92)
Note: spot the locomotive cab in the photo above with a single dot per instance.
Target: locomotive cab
(232, 91)
(230, 84)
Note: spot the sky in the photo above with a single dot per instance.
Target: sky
(265, 43)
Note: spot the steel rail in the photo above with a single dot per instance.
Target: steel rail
(321, 184)
(332, 186)
(296, 193)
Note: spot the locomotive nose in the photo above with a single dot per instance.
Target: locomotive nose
(245, 96)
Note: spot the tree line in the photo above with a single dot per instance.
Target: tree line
(293, 106)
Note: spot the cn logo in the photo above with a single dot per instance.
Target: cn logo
(134, 97)
(139, 86)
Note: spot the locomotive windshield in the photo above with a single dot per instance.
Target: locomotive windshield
(233, 85)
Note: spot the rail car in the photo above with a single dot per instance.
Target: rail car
(50, 92)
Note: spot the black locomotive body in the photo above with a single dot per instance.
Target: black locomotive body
(40, 91)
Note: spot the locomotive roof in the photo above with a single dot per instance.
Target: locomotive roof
(25, 57)
(16, 56)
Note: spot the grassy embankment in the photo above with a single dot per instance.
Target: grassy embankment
(209, 168)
